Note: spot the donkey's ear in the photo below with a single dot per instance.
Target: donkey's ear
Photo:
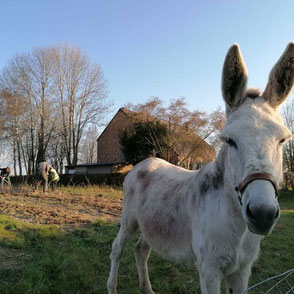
(281, 78)
(234, 78)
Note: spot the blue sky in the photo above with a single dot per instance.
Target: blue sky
(168, 49)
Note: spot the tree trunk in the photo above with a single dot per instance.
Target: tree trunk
(14, 157)
(19, 158)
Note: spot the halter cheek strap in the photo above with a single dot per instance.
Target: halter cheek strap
(256, 176)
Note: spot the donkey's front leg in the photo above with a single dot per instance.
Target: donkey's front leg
(210, 280)
(237, 282)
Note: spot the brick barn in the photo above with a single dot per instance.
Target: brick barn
(110, 157)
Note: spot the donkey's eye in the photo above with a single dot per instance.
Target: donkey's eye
(231, 143)
(282, 141)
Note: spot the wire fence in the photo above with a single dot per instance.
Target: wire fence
(280, 284)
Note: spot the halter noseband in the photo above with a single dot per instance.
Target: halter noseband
(256, 176)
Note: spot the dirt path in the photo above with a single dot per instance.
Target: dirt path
(60, 208)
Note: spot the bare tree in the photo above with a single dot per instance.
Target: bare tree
(210, 132)
(56, 152)
(81, 90)
(13, 107)
(189, 130)
(89, 145)
(41, 92)
(62, 94)
(288, 149)
(30, 76)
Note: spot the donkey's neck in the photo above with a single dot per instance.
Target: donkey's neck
(211, 176)
(220, 162)
(221, 172)
(223, 181)
(214, 175)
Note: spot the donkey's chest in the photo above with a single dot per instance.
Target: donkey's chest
(245, 253)
(219, 241)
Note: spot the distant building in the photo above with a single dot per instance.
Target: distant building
(110, 157)
(89, 169)
(108, 147)
(109, 150)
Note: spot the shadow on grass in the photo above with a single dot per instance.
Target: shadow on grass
(45, 259)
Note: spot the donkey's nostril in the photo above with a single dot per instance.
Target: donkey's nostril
(277, 213)
(249, 212)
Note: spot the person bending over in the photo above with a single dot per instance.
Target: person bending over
(54, 177)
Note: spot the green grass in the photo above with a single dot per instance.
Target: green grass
(59, 261)
(54, 260)
(286, 200)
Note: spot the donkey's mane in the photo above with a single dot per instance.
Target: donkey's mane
(253, 93)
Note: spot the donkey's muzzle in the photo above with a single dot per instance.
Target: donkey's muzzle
(262, 218)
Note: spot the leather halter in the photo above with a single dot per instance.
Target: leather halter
(256, 176)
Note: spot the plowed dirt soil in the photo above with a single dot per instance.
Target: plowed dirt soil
(72, 206)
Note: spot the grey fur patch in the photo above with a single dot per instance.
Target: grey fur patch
(205, 184)
(173, 186)
(215, 180)
(177, 206)
(144, 178)
(218, 178)
(142, 174)
(131, 192)
(166, 196)
(212, 178)
(253, 93)
(142, 199)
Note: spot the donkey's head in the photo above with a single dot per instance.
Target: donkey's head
(254, 133)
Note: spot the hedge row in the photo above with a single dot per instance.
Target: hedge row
(114, 179)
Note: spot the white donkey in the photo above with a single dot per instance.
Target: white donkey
(214, 217)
